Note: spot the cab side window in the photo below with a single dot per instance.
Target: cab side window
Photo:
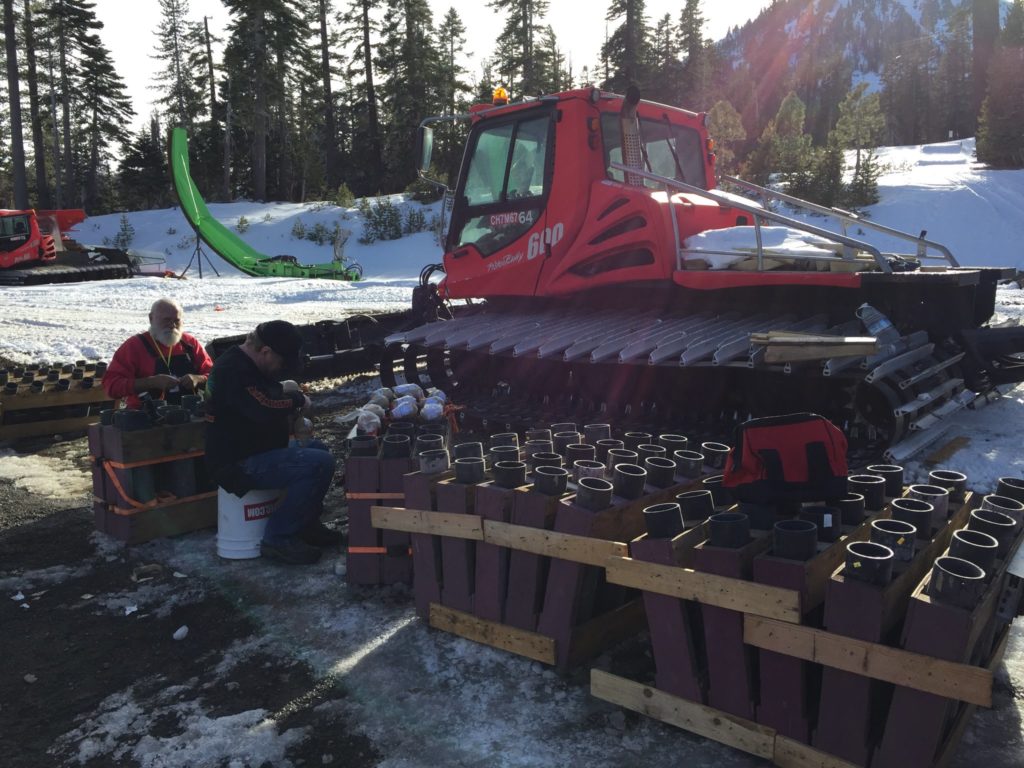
(659, 140)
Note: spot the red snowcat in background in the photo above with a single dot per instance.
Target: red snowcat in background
(571, 217)
(34, 249)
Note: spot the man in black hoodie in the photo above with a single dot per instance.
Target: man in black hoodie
(249, 417)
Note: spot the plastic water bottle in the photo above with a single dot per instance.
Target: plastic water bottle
(303, 432)
(877, 324)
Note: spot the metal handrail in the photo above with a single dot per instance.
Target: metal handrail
(850, 244)
(849, 217)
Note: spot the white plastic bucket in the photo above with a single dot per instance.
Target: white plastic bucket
(241, 522)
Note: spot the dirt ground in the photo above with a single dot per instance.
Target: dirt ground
(61, 660)
(91, 673)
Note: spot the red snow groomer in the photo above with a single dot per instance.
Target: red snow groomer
(34, 248)
(588, 223)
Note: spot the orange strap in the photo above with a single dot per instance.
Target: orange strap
(163, 500)
(373, 551)
(124, 494)
(374, 495)
(161, 460)
(160, 500)
(450, 411)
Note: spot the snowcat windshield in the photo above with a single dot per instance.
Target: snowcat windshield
(14, 231)
(659, 138)
(505, 182)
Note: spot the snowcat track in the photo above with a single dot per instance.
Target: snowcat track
(698, 373)
(47, 275)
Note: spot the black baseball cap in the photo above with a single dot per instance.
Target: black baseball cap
(284, 338)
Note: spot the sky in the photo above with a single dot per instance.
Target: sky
(131, 36)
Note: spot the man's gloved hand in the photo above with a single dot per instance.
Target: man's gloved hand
(190, 382)
(161, 381)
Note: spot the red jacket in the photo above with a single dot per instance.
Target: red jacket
(142, 356)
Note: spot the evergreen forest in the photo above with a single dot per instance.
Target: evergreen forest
(319, 99)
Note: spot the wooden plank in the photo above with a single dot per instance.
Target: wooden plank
(776, 353)
(424, 521)
(159, 443)
(625, 521)
(880, 662)
(37, 428)
(721, 591)
(565, 546)
(786, 338)
(519, 641)
(608, 629)
(166, 520)
(704, 721)
(956, 732)
(54, 399)
(793, 754)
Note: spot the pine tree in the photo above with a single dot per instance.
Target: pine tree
(35, 116)
(667, 69)
(792, 144)
(627, 49)
(88, 105)
(182, 76)
(408, 63)
(725, 126)
(956, 119)
(455, 92)
(783, 148)
(72, 24)
(906, 98)
(985, 27)
(860, 125)
(262, 34)
(1000, 138)
(18, 175)
(142, 172)
(328, 137)
(696, 69)
(451, 39)
(863, 188)
(358, 28)
(519, 39)
(820, 177)
(551, 75)
(107, 111)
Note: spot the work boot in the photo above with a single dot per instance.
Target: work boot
(319, 535)
(293, 551)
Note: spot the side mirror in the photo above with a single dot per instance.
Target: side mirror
(424, 148)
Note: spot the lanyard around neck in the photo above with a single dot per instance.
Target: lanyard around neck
(170, 350)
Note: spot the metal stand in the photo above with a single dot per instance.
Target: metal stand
(197, 256)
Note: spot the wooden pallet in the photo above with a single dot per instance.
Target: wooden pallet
(543, 639)
(47, 407)
(746, 735)
(771, 617)
(187, 500)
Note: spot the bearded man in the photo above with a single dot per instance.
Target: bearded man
(163, 361)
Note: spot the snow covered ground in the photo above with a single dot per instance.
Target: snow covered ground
(978, 213)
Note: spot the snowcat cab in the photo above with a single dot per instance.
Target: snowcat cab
(588, 220)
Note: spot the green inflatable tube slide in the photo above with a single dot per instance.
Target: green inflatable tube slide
(226, 243)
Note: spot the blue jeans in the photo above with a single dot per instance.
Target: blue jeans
(305, 473)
